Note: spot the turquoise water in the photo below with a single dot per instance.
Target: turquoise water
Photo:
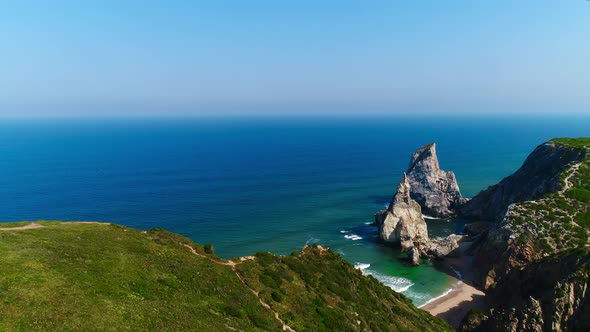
(258, 184)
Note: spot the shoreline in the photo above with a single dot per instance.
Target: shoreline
(462, 297)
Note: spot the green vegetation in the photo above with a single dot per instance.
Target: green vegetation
(578, 143)
(561, 220)
(103, 277)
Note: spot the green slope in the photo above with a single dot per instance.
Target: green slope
(104, 277)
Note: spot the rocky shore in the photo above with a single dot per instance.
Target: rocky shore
(526, 246)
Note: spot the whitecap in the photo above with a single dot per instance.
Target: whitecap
(353, 237)
(428, 217)
(361, 266)
(343, 231)
(398, 284)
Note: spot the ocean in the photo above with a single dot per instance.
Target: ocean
(260, 183)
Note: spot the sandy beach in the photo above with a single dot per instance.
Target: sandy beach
(453, 306)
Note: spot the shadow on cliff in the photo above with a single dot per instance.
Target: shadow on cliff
(455, 315)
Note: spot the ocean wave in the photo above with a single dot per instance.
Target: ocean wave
(428, 217)
(445, 293)
(398, 284)
(353, 237)
(343, 231)
(361, 266)
(312, 240)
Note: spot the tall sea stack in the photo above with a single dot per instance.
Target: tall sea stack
(402, 222)
(435, 190)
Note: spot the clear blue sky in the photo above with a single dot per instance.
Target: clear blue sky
(199, 55)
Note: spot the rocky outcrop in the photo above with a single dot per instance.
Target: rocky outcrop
(534, 260)
(551, 294)
(523, 216)
(435, 190)
(538, 176)
(439, 248)
(402, 222)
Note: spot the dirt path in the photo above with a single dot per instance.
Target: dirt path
(572, 171)
(233, 265)
(20, 228)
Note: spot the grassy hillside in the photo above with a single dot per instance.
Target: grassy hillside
(103, 277)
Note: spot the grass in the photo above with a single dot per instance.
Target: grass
(99, 277)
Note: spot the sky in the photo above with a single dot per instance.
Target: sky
(198, 57)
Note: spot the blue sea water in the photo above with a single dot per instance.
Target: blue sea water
(262, 183)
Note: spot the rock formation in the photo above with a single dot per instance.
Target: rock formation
(521, 213)
(548, 295)
(402, 223)
(534, 260)
(538, 176)
(435, 190)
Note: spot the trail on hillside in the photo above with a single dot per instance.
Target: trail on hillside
(233, 265)
(568, 185)
(20, 228)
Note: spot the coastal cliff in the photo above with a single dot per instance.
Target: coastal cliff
(538, 176)
(547, 217)
(547, 295)
(533, 260)
(435, 190)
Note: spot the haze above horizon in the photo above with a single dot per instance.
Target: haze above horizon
(271, 57)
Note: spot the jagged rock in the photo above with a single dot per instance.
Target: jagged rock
(402, 222)
(538, 176)
(440, 248)
(435, 190)
(414, 255)
(551, 294)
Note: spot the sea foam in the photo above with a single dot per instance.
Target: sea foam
(361, 266)
(353, 237)
(436, 298)
(398, 284)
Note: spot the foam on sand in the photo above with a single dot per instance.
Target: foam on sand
(445, 293)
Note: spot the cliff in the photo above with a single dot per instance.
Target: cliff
(104, 277)
(535, 228)
(435, 190)
(551, 294)
(538, 176)
(534, 262)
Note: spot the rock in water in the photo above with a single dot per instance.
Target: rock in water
(402, 222)
(435, 190)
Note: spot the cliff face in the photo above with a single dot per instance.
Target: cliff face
(532, 227)
(538, 176)
(535, 262)
(402, 222)
(548, 295)
(435, 190)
